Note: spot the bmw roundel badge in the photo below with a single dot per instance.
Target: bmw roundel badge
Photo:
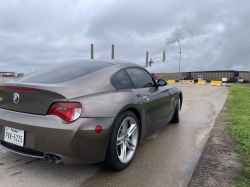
(16, 98)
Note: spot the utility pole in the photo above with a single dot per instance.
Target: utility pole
(113, 52)
(163, 60)
(92, 51)
(146, 58)
(179, 62)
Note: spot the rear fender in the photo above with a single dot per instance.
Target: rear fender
(108, 104)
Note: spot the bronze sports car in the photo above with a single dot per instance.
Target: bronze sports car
(85, 111)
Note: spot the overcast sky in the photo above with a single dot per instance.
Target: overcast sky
(214, 34)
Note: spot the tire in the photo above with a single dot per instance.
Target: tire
(176, 117)
(122, 146)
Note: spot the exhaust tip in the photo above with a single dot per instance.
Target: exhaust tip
(47, 158)
(56, 159)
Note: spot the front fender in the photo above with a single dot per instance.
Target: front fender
(176, 93)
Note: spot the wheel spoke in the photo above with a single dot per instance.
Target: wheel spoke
(124, 127)
(119, 138)
(131, 130)
(119, 142)
(130, 147)
(123, 152)
(130, 143)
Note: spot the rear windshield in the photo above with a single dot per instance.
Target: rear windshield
(64, 72)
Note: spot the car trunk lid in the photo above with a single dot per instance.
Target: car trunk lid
(28, 99)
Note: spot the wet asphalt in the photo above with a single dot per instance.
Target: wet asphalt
(166, 158)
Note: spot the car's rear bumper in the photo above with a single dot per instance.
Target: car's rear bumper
(75, 142)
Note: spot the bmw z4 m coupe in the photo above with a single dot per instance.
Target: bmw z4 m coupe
(85, 111)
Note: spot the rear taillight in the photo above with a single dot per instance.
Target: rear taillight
(67, 111)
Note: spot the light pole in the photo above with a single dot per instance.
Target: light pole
(179, 61)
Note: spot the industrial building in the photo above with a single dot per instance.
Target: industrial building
(231, 75)
(4, 73)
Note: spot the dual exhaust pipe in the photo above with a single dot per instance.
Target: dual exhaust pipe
(52, 158)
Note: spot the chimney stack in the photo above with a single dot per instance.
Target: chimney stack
(163, 60)
(147, 59)
(113, 52)
(92, 51)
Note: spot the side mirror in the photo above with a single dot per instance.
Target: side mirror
(162, 82)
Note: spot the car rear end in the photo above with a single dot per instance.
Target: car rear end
(37, 119)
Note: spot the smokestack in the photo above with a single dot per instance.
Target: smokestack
(92, 51)
(146, 58)
(163, 60)
(113, 52)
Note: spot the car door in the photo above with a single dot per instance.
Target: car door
(155, 100)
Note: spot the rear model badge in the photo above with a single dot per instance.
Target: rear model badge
(16, 98)
(1, 99)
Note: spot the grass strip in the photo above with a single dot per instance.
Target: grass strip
(238, 120)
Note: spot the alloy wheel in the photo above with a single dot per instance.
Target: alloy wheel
(127, 139)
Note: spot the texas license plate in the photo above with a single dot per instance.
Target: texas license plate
(14, 136)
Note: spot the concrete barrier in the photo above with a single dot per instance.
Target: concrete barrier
(187, 81)
(171, 81)
(216, 83)
(5, 79)
(201, 82)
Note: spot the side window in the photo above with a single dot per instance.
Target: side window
(140, 78)
(120, 80)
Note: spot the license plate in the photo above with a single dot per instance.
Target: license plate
(14, 136)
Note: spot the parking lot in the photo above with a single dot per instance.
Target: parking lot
(166, 158)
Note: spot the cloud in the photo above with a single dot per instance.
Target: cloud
(213, 34)
(184, 32)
